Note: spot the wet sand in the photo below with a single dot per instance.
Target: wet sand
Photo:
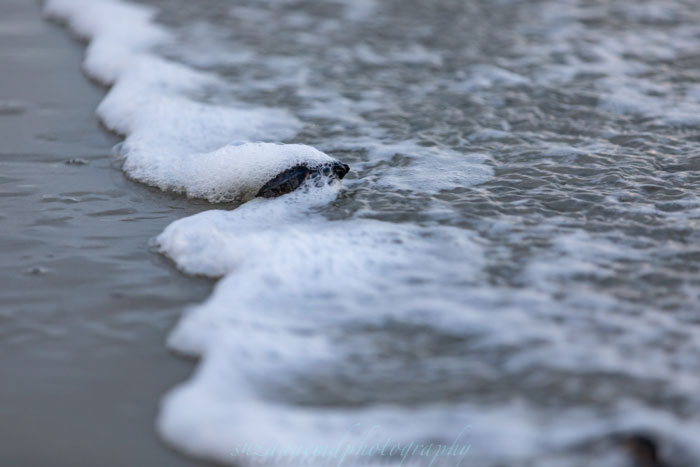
(85, 307)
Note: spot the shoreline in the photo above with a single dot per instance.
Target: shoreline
(87, 304)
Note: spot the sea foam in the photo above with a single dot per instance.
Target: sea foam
(173, 139)
(297, 290)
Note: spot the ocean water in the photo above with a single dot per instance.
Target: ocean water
(510, 269)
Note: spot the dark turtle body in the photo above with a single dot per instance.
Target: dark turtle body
(293, 178)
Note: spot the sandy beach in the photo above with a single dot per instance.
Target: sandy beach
(85, 305)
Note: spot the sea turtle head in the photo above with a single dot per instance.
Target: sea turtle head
(340, 169)
(336, 169)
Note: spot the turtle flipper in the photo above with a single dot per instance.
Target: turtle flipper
(286, 182)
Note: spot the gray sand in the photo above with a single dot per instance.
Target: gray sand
(85, 307)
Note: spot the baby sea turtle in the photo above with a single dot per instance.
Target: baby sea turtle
(293, 178)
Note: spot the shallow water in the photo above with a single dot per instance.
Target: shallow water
(515, 247)
(84, 304)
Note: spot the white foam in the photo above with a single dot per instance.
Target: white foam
(284, 315)
(173, 140)
(117, 32)
(297, 288)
